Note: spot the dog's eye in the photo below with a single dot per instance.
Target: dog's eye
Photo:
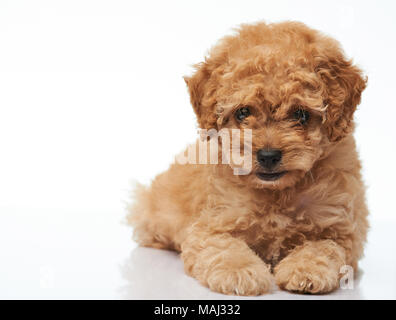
(301, 115)
(242, 113)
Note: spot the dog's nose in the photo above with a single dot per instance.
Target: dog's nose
(269, 158)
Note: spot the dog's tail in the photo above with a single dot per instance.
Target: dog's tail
(141, 216)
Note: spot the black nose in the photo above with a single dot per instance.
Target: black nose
(269, 158)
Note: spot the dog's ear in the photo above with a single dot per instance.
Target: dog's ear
(344, 86)
(202, 89)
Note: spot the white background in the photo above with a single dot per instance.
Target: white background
(92, 98)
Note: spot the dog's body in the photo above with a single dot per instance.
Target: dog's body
(301, 214)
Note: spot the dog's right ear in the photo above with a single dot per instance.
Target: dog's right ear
(202, 95)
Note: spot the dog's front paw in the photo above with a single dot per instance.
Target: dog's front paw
(250, 280)
(312, 276)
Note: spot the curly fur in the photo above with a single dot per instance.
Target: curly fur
(238, 233)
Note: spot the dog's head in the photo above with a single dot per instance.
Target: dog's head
(288, 83)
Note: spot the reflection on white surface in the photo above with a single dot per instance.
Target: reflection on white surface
(72, 254)
(158, 274)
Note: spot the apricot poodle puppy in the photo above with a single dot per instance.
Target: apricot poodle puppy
(299, 215)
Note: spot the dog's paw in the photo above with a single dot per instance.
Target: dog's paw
(250, 280)
(308, 277)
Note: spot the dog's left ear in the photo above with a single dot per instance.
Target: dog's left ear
(202, 90)
(344, 86)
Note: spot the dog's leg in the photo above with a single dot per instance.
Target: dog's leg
(225, 264)
(313, 267)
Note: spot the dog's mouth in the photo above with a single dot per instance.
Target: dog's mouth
(270, 176)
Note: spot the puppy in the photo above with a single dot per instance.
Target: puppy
(299, 216)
